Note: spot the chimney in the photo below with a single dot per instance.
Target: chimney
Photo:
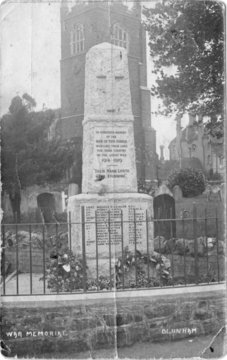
(162, 153)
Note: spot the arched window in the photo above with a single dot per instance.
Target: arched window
(119, 36)
(77, 39)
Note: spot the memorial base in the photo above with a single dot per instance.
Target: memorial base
(112, 223)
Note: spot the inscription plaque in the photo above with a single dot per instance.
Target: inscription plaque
(112, 225)
(111, 154)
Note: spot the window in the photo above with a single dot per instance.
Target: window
(77, 39)
(119, 36)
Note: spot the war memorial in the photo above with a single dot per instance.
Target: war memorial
(109, 185)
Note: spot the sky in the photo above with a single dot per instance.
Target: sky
(30, 60)
(30, 54)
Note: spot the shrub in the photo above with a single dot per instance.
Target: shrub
(191, 181)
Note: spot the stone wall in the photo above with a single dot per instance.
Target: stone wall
(77, 325)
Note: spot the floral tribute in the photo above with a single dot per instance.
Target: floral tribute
(67, 273)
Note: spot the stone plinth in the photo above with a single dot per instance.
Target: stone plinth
(112, 222)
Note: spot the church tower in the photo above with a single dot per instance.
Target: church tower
(87, 24)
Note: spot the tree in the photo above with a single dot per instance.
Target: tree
(189, 37)
(13, 140)
(27, 157)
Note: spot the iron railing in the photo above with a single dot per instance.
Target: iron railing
(38, 258)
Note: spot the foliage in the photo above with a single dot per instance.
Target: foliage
(143, 187)
(191, 181)
(214, 176)
(215, 127)
(187, 37)
(65, 272)
(46, 161)
(139, 262)
(27, 156)
(185, 246)
(148, 187)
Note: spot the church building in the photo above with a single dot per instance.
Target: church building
(90, 23)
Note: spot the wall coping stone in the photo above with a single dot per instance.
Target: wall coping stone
(214, 290)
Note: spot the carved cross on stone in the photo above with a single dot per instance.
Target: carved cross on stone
(107, 81)
(108, 88)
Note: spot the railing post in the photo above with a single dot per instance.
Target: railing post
(122, 250)
(84, 249)
(216, 223)
(97, 252)
(56, 235)
(158, 227)
(17, 260)
(3, 260)
(148, 256)
(207, 255)
(135, 245)
(30, 255)
(70, 232)
(69, 227)
(110, 262)
(44, 264)
(183, 235)
(171, 234)
(195, 243)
